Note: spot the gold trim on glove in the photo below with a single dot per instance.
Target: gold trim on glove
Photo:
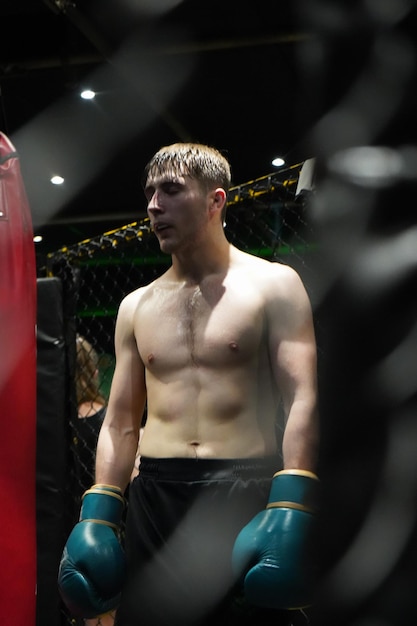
(101, 521)
(105, 492)
(106, 486)
(286, 504)
(297, 472)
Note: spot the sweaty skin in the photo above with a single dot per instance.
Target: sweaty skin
(210, 347)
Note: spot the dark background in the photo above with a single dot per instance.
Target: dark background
(222, 72)
(252, 78)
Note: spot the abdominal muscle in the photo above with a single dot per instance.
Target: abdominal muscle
(202, 416)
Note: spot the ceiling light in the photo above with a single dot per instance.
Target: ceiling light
(37, 238)
(278, 162)
(88, 94)
(57, 180)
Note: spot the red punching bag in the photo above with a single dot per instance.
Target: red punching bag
(17, 395)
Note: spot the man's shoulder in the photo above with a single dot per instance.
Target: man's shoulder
(131, 300)
(277, 283)
(134, 298)
(261, 267)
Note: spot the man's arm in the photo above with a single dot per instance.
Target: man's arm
(273, 551)
(93, 565)
(294, 358)
(119, 434)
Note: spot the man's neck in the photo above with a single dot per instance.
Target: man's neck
(194, 267)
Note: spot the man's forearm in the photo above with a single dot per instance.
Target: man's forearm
(300, 445)
(116, 452)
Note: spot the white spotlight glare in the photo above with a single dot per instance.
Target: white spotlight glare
(278, 162)
(37, 238)
(57, 180)
(88, 94)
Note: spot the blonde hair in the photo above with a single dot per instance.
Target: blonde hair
(203, 163)
(86, 377)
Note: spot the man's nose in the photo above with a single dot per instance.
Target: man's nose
(154, 206)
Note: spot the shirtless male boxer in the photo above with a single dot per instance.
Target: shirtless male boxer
(219, 517)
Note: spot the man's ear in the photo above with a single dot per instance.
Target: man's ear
(218, 200)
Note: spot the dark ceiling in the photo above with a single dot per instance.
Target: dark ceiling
(238, 75)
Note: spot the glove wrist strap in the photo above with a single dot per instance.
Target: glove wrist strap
(103, 504)
(294, 489)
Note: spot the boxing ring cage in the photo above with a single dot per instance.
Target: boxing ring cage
(79, 291)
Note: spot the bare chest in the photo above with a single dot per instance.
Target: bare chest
(202, 327)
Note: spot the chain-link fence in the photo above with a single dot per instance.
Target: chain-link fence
(266, 217)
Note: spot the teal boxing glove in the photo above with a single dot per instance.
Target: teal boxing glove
(273, 552)
(92, 568)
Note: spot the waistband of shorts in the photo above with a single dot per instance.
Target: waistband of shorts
(189, 469)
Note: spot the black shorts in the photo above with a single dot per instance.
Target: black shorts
(183, 518)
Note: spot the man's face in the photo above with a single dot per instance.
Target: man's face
(178, 210)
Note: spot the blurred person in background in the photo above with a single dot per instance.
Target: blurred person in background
(91, 407)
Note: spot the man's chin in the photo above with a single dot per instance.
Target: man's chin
(167, 247)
